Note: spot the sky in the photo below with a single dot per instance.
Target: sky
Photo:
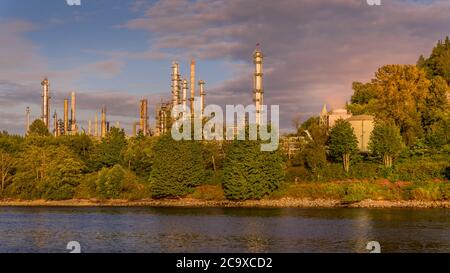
(115, 52)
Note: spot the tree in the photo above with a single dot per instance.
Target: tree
(51, 172)
(313, 157)
(438, 64)
(177, 167)
(386, 142)
(38, 128)
(250, 173)
(111, 147)
(343, 143)
(138, 155)
(401, 92)
(7, 162)
(110, 182)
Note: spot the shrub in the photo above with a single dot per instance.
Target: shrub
(110, 182)
(178, 167)
(250, 173)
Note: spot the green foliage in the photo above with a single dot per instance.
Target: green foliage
(109, 184)
(250, 173)
(178, 167)
(343, 143)
(111, 147)
(46, 172)
(138, 155)
(386, 142)
(363, 93)
(438, 64)
(38, 128)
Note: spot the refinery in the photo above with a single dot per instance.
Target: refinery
(180, 89)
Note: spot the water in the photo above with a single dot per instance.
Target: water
(223, 230)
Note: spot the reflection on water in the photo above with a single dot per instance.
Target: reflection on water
(223, 229)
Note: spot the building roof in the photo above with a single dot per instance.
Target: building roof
(361, 117)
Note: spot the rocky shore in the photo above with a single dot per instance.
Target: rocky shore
(265, 203)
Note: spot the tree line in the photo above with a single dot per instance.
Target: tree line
(410, 141)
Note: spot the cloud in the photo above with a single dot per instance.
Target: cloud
(313, 49)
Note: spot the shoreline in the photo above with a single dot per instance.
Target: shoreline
(197, 203)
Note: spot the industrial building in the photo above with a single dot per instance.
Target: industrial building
(181, 88)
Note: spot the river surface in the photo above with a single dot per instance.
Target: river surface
(223, 229)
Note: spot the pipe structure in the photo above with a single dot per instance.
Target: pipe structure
(258, 84)
(46, 103)
(144, 117)
(192, 86)
(66, 116)
(74, 126)
(27, 116)
(184, 97)
(201, 84)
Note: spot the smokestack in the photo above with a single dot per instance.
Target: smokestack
(74, 128)
(27, 124)
(90, 127)
(144, 117)
(104, 125)
(192, 85)
(46, 103)
(258, 84)
(184, 97)
(96, 125)
(66, 116)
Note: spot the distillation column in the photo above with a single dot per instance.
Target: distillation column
(104, 125)
(192, 86)
(201, 84)
(66, 116)
(96, 125)
(46, 103)
(184, 98)
(55, 124)
(74, 128)
(27, 118)
(144, 117)
(175, 85)
(258, 84)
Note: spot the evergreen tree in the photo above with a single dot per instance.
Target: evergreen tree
(438, 64)
(38, 128)
(343, 143)
(50, 172)
(386, 142)
(177, 168)
(250, 173)
(111, 147)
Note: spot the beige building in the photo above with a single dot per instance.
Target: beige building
(363, 127)
(362, 124)
(334, 115)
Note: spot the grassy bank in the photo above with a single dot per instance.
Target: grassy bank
(349, 193)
